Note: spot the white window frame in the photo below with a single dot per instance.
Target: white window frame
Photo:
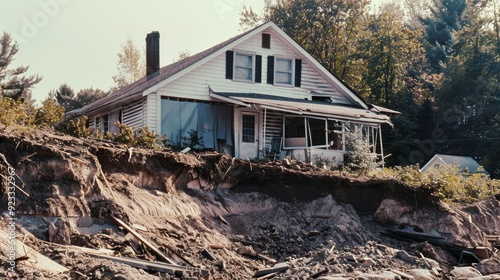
(245, 53)
(292, 71)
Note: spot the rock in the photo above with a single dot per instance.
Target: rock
(465, 272)
(490, 266)
(351, 258)
(368, 262)
(432, 263)
(52, 231)
(371, 276)
(246, 251)
(422, 274)
(63, 234)
(405, 256)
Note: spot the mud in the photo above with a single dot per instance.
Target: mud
(247, 215)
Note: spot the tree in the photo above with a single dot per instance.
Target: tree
(14, 83)
(393, 56)
(131, 65)
(65, 96)
(446, 19)
(50, 113)
(330, 30)
(88, 95)
(470, 95)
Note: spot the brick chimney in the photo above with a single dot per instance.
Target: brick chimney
(152, 52)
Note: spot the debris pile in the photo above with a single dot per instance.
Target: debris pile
(88, 209)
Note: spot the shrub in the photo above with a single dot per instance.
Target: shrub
(360, 158)
(451, 185)
(76, 127)
(142, 137)
(50, 113)
(15, 112)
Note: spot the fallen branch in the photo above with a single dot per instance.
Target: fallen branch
(2, 156)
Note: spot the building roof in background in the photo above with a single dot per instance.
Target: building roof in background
(462, 162)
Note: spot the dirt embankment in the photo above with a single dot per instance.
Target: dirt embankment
(259, 213)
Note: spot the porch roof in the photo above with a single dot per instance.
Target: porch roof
(318, 108)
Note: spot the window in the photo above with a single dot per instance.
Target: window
(295, 132)
(105, 121)
(244, 67)
(266, 41)
(248, 135)
(283, 71)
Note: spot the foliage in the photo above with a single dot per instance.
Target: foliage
(361, 158)
(394, 57)
(65, 96)
(15, 112)
(14, 83)
(192, 140)
(76, 127)
(131, 65)
(330, 30)
(50, 113)
(88, 95)
(451, 185)
(142, 137)
(446, 17)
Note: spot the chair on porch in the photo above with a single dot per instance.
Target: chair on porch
(274, 148)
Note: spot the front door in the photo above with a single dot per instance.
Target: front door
(249, 144)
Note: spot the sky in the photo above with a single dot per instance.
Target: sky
(77, 42)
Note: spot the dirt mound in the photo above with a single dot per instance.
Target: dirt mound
(219, 216)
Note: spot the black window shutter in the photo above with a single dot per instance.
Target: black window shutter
(298, 72)
(258, 68)
(270, 69)
(229, 64)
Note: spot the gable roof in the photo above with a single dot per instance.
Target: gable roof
(462, 162)
(136, 90)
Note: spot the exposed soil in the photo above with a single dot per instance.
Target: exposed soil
(227, 217)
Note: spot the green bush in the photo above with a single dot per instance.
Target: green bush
(360, 158)
(76, 127)
(50, 113)
(142, 137)
(15, 112)
(451, 185)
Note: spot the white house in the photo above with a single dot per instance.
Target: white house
(254, 94)
(464, 164)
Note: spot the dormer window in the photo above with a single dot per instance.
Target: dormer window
(244, 65)
(283, 71)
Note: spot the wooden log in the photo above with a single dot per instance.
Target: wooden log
(267, 276)
(207, 254)
(318, 274)
(173, 252)
(266, 258)
(278, 268)
(151, 266)
(143, 240)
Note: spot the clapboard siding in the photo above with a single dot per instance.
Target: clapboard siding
(151, 111)
(194, 84)
(133, 114)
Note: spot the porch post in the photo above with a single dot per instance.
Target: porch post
(381, 145)
(265, 121)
